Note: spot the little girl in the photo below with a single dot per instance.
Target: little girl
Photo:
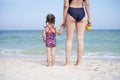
(49, 37)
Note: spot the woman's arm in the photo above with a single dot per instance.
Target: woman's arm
(87, 7)
(66, 6)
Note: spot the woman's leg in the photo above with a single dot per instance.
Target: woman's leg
(80, 28)
(70, 26)
(53, 55)
(48, 51)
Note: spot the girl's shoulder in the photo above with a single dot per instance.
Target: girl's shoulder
(54, 27)
(45, 27)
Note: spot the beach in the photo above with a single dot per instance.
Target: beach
(36, 69)
(23, 53)
(23, 56)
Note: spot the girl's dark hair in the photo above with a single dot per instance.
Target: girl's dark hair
(50, 18)
(71, 1)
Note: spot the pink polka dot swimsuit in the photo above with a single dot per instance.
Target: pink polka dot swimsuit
(50, 38)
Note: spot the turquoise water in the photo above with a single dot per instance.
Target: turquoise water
(29, 42)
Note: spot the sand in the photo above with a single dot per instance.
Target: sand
(36, 69)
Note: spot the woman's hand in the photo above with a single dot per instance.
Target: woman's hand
(89, 21)
(63, 24)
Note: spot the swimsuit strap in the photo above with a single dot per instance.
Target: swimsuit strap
(49, 30)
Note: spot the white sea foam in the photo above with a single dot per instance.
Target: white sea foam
(10, 52)
(88, 55)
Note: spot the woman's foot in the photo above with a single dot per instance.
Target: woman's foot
(52, 64)
(77, 63)
(66, 64)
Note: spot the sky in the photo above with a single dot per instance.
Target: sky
(31, 14)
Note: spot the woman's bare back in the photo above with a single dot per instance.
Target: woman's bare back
(76, 3)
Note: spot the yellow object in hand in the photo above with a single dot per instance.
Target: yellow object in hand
(88, 27)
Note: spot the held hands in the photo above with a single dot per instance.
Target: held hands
(63, 25)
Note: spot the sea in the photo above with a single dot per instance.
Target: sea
(98, 43)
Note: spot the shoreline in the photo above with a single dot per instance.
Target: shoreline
(72, 57)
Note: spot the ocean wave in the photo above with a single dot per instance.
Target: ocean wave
(41, 52)
(9, 52)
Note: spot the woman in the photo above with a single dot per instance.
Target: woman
(74, 17)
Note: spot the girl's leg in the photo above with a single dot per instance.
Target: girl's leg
(80, 28)
(53, 55)
(48, 51)
(70, 26)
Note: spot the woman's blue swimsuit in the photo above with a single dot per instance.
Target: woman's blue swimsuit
(77, 13)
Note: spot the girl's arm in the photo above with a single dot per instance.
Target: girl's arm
(59, 32)
(87, 7)
(44, 35)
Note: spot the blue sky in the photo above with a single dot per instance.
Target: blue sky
(31, 14)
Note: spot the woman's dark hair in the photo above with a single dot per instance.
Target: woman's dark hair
(50, 18)
(71, 1)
